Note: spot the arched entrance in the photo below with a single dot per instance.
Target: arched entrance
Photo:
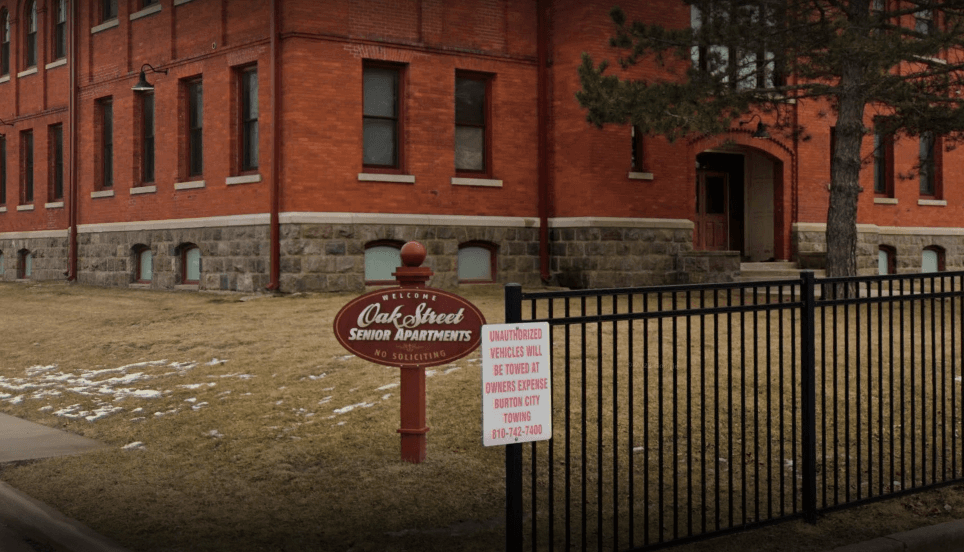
(738, 192)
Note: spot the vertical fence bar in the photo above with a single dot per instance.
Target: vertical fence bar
(513, 452)
(808, 399)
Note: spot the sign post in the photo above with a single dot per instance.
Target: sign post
(411, 327)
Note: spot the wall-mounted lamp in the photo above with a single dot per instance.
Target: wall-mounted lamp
(142, 84)
(761, 127)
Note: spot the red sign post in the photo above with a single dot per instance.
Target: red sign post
(411, 327)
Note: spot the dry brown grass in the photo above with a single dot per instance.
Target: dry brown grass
(267, 463)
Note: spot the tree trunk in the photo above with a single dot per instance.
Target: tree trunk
(845, 173)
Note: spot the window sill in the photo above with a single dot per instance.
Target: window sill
(488, 182)
(55, 64)
(5, 78)
(102, 193)
(243, 179)
(139, 285)
(192, 185)
(885, 200)
(179, 2)
(187, 287)
(640, 176)
(149, 10)
(144, 190)
(3, 209)
(110, 24)
(27, 73)
(933, 202)
(54, 205)
(25, 207)
(376, 177)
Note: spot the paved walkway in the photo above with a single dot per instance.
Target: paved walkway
(26, 524)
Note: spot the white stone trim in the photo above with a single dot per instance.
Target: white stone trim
(414, 220)
(377, 177)
(614, 222)
(489, 182)
(109, 24)
(40, 234)
(3, 209)
(27, 72)
(5, 78)
(640, 176)
(885, 200)
(179, 2)
(176, 224)
(242, 179)
(25, 207)
(102, 193)
(193, 185)
(144, 190)
(933, 202)
(54, 205)
(149, 10)
(885, 230)
(55, 64)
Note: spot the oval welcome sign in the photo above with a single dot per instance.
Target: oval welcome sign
(409, 327)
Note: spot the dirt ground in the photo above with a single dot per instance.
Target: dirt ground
(237, 422)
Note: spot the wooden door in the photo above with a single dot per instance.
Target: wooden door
(712, 211)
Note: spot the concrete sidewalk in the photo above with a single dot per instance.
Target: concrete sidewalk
(943, 537)
(26, 524)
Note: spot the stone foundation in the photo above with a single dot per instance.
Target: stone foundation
(326, 252)
(809, 240)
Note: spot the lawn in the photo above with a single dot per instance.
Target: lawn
(237, 422)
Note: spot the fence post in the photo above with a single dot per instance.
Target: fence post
(808, 374)
(513, 452)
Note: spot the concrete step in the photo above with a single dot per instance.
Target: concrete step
(774, 270)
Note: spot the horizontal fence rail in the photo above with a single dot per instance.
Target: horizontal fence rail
(684, 412)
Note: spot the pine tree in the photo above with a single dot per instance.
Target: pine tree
(901, 61)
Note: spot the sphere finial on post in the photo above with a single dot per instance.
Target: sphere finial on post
(412, 274)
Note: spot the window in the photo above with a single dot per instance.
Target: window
(105, 116)
(60, 30)
(930, 164)
(756, 65)
(55, 152)
(382, 258)
(636, 136)
(147, 137)
(26, 172)
(108, 10)
(248, 124)
(195, 127)
(924, 21)
(833, 148)
(146, 3)
(883, 163)
(30, 35)
(5, 43)
(886, 260)
(190, 264)
(2, 265)
(476, 262)
(3, 169)
(381, 117)
(932, 259)
(24, 264)
(143, 264)
(471, 118)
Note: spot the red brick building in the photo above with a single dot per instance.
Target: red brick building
(296, 144)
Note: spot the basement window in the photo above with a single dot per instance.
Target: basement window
(382, 258)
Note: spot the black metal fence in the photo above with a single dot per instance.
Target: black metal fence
(685, 412)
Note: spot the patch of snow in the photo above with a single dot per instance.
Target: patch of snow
(16, 400)
(215, 361)
(450, 370)
(191, 400)
(318, 377)
(214, 433)
(47, 408)
(351, 407)
(136, 445)
(386, 396)
(199, 406)
(323, 401)
(384, 387)
(197, 385)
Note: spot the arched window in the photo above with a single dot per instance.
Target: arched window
(4, 42)
(932, 259)
(382, 258)
(886, 260)
(24, 264)
(143, 264)
(30, 35)
(190, 264)
(476, 262)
